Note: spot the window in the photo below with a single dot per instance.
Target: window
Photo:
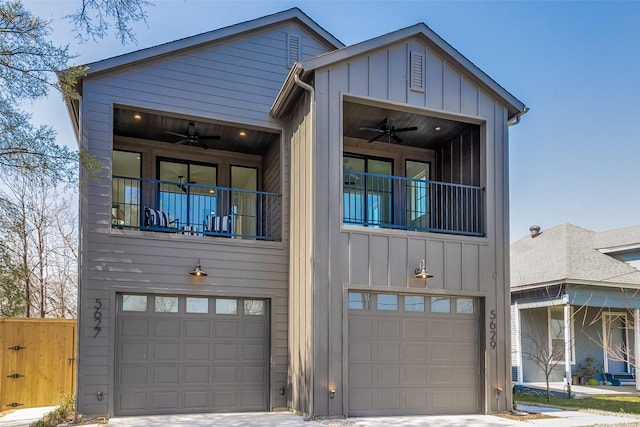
(226, 306)
(125, 189)
(197, 305)
(417, 194)
(134, 303)
(367, 194)
(244, 202)
(359, 301)
(387, 302)
(254, 307)
(414, 303)
(180, 198)
(440, 305)
(166, 304)
(556, 334)
(464, 306)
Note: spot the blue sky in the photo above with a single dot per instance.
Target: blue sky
(576, 64)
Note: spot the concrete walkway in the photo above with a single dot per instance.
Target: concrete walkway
(555, 418)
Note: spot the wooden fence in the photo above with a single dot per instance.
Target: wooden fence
(37, 361)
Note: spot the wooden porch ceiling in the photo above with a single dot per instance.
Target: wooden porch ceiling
(154, 126)
(357, 116)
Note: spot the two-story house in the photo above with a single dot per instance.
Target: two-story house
(285, 222)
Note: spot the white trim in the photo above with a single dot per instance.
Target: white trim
(636, 332)
(567, 335)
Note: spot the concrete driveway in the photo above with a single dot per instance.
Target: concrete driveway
(555, 418)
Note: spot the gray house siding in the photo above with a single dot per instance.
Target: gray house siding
(233, 81)
(382, 260)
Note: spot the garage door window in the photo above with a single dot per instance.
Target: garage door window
(440, 305)
(464, 306)
(197, 305)
(134, 303)
(226, 306)
(359, 301)
(414, 303)
(253, 307)
(166, 304)
(387, 302)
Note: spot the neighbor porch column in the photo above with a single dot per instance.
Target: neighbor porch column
(518, 343)
(567, 345)
(636, 344)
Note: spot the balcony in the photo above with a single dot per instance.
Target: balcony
(384, 201)
(179, 207)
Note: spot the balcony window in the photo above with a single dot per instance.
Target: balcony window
(125, 193)
(368, 197)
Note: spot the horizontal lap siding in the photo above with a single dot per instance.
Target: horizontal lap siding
(233, 80)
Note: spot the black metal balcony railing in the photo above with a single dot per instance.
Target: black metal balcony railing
(384, 201)
(154, 205)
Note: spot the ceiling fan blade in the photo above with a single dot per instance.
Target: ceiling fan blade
(406, 129)
(377, 137)
(176, 134)
(396, 138)
(182, 141)
(373, 129)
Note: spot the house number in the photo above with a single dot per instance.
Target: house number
(97, 317)
(492, 330)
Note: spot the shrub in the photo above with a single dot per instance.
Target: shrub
(61, 414)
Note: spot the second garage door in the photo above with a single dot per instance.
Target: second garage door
(177, 354)
(413, 354)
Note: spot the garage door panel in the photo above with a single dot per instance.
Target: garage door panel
(133, 351)
(173, 362)
(360, 327)
(132, 375)
(165, 351)
(165, 375)
(387, 352)
(387, 375)
(226, 351)
(415, 375)
(413, 362)
(388, 328)
(226, 328)
(196, 400)
(169, 328)
(196, 374)
(414, 328)
(197, 328)
(133, 328)
(196, 351)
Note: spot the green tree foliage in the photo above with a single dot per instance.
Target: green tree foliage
(28, 63)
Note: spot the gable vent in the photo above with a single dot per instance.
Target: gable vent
(294, 49)
(416, 72)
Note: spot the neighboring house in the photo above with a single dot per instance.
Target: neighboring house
(308, 180)
(570, 279)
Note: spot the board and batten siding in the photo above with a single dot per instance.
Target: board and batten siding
(301, 326)
(233, 80)
(347, 257)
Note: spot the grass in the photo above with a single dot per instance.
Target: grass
(61, 414)
(618, 404)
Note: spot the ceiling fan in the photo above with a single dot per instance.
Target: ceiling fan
(387, 128)
(191, 137)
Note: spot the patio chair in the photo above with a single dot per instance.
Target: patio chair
(219, 225)
(158, 220)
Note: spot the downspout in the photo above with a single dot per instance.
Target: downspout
(516, 119)
(312, 95)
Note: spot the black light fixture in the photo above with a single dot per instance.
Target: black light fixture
(198, 271)
(421, 272)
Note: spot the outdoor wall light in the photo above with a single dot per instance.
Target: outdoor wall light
(421, 272)
(99, 396)
(198, 271)
(332, 393)
(498, 391)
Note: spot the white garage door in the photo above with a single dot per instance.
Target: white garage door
(177, 354)
(413, 354)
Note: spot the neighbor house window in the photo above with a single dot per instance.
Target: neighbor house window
(556, 334)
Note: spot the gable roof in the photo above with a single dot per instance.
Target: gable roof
(570, 254)
(211, 36)
(515, 107)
